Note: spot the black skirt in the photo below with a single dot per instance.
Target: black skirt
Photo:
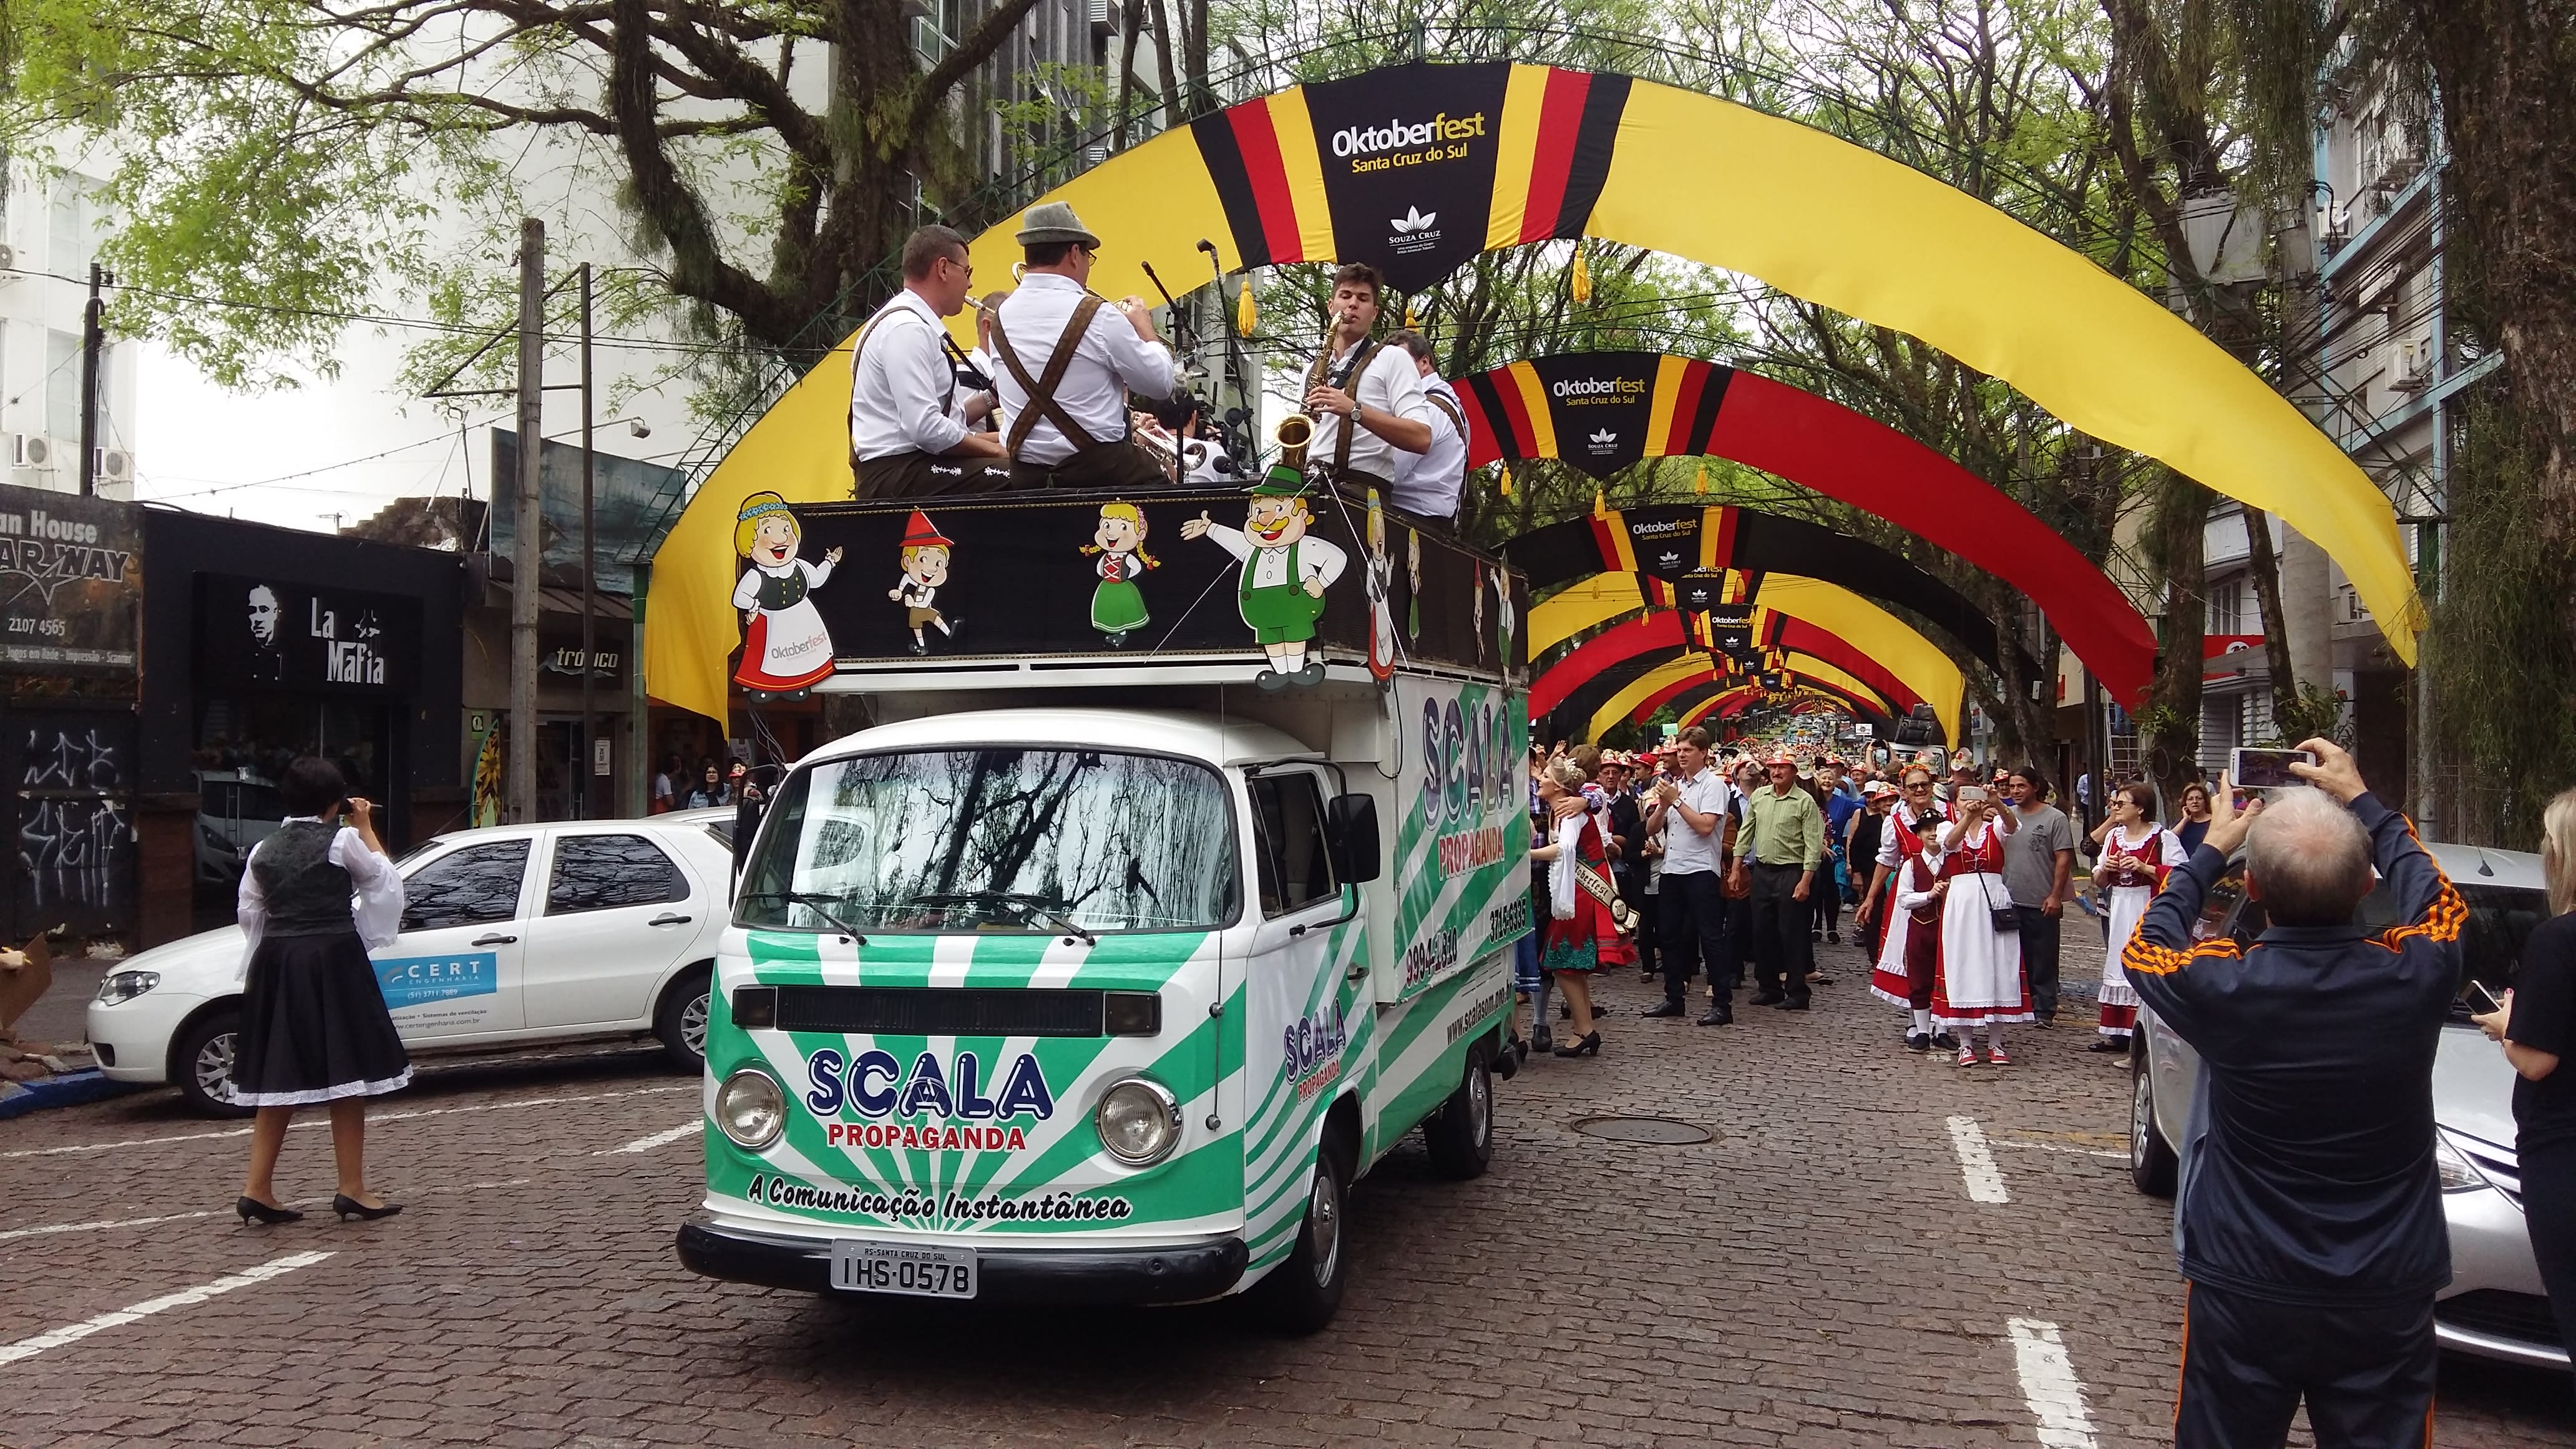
(314, 1025)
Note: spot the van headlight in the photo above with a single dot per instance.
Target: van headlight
(750, 1110)
(1139, 1121)
(126, 985)
(2452, 1168)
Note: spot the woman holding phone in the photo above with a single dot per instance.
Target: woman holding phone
(2194, 825)
(1977, 976)
(2536, 1024)
(314, 1025)
(2136, 853)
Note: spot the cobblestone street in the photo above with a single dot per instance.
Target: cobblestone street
(1816, 1274)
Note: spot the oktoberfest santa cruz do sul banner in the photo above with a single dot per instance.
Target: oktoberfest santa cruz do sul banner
(1416, 167)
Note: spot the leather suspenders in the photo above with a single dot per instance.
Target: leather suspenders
(1042, 401)
(1321, 373)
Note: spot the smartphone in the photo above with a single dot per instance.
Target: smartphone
(2267, 769)
(1972, 792)
(2481, 1000)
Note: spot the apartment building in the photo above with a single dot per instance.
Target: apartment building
(51, 219)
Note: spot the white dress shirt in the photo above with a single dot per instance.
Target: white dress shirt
(1389, 385)
(902, 388)
(1110, 360)
(1430, 488)
(376, 910)
(1685, 849)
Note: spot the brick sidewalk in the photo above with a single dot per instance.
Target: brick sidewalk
(1815, 1275)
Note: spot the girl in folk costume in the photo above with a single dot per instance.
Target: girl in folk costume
(1580, 935)
(1978, 980)
(1903, 974)
(785, 648)
(1117, 605)
(2136, 854)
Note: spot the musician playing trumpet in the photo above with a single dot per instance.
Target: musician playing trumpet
(1371, 418)
(1068, 359)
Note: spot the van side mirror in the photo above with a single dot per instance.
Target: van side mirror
(1350, 832)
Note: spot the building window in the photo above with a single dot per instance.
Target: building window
(66, 254)
(2254, 716)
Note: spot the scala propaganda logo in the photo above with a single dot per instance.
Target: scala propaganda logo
(927, 1102)
(1313, 1051)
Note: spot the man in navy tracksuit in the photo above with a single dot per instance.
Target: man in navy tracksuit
(2309, 1223)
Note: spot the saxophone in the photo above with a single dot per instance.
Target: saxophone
(1295, 433)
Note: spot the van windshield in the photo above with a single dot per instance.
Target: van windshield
(995, 839)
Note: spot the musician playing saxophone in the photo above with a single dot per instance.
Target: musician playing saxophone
(1371, 418)
(1068, 360)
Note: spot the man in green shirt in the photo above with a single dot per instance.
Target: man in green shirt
(1785, 842)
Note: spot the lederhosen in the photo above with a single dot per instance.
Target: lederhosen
(1323, 374)
(913, 473)
(1281, 613)
(1115, 463)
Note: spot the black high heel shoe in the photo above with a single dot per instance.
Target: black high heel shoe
(349, 1207)
(253, 1210)
(1590, 1046)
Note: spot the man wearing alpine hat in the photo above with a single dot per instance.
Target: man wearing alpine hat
(1068, 359)
(1285, 573)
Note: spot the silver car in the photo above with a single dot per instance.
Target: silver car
(2495, 1306)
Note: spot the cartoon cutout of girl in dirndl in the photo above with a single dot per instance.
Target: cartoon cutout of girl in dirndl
(1117, 605)
(785, 648)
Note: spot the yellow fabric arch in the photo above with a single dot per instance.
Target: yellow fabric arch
(1645, 687)
(1896, 645)
(1712, 182)
(1579, 606)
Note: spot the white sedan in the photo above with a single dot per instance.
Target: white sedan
(511, 934)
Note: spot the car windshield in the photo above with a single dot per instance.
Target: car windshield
(995, 839)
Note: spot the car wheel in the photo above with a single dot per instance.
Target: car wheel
(201, 1064)
(1461, 1134)
(1302, 1294)
(681, 1020)
(2152, 1166)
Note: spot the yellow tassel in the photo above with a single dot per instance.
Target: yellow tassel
(1505, 487)
(1700, 483)
(1246, 315)
(1409, 319)
(1582, 285)
(1600, 505)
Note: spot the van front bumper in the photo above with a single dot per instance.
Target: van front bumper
(1186, 1273)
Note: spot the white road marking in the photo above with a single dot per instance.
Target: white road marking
(658, 1139)
(1976, 1163)
(2059, 1147)
(111, 1224)
(2049, 1385)
(322, 1121)
(74, 1333)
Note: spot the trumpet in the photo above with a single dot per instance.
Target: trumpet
(1295, 433)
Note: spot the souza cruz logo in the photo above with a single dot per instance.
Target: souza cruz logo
(877, 1084)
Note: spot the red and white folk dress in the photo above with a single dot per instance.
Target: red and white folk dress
(1978, 976)
(1908, 878)
(2134, 870)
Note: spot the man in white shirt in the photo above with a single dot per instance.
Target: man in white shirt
(1430, 486)
(1069, 359)
(979, 369)
(910, 432)
(1697, 818)
(1371, 419)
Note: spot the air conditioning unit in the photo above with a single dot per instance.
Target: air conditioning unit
(114, 465)
(31, 450)
(1095, 154)
(2414, 366)
(8, 264)
(1104, 17)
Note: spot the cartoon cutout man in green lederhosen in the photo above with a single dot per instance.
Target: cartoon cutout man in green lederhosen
(1285, 573)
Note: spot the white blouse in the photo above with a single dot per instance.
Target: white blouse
(379, 905)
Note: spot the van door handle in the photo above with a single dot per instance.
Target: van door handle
(1355, 973)
(493, 941)
(668, 919)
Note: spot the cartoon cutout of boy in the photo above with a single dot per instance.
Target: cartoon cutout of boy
(1381, 577)
(925, 569)
(1117, 605)
(1285, 573)
(785, 648)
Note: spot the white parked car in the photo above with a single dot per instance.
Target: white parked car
(511, 934)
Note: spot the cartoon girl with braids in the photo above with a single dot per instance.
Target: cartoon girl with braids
(1117, 605)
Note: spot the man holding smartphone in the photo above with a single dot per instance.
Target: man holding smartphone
(2309, 1222)
(1694, 815)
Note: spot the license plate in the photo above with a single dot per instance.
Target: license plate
(864, 1267)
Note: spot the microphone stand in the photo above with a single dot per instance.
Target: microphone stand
(1233, 344)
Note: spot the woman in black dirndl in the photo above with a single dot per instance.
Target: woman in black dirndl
(315, 1030)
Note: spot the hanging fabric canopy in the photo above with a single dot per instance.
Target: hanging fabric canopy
(1603, 411)
(1415, 168)
(1661, 635)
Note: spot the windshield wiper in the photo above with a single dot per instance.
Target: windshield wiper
(815, 902)
(1031, 907)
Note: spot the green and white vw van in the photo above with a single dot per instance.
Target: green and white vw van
(1112, 1004)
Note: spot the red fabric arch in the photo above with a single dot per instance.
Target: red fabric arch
(1665, 631)
(1715, 411)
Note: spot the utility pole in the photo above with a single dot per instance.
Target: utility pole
(528, 550)
(93, 337)
(589, 561)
